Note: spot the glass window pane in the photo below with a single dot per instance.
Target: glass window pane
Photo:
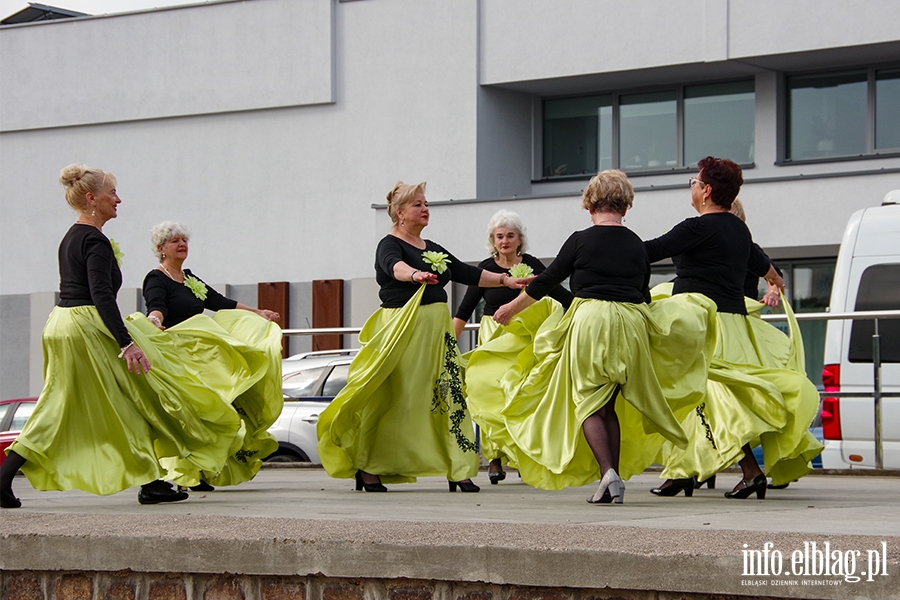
(302, 383)
(827, 115)
(336, 381)
(647, 130)
(21, 415)
(577, 135)
(877, 291)
(887, 109)
(719, 120)
(810, 292)
(4, 408)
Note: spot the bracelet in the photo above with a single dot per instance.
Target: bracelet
(124, 348)
(412, 278)
(154, 319)
(503, 277)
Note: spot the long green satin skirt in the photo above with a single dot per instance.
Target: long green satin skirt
(758, 393)
(101, 429)
(237, 353)
(654, 358)
(485, 368)
(403, 413)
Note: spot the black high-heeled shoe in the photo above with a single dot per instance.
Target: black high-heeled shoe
(674, 486)
(496, 477)
(369, 487)
(464, 486)
(202, 487)
(710, 483)
(758, 485)
(9, 500)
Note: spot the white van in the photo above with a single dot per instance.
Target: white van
(866, 277)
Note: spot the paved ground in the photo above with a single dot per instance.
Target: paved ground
(835, 505)
(527, 536)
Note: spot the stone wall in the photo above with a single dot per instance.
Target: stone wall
(130, 585)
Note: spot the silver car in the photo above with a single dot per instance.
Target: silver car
(309, 382)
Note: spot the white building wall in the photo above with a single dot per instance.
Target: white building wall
(272, 127)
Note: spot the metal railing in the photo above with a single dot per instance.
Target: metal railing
(877, 394)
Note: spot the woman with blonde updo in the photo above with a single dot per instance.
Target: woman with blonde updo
(507, 243)
(563, 413)
(175, 300)
(105, 418)
(403, 414)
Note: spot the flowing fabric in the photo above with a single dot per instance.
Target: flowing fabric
(403, 413)
(237, 354)
(101, 429)
(485, 369)
(654, 357)
(758, 393)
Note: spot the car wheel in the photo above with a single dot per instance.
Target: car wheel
(283, 456)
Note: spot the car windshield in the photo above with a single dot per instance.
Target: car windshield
(302, 383)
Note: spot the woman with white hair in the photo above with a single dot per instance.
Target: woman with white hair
(507, 243)
(245, 350)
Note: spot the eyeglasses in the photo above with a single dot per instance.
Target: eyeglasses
(694, 180)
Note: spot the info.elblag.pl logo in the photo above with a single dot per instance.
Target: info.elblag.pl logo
(814, 560)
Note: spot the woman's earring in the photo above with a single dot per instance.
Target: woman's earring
(93, 213)
(519, 251)
(163, 254)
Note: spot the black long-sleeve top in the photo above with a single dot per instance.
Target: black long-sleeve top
(494, 298)
(394, 293)
(604, 263)
(176, 301)
(713, 254)
(90, 276)
(751, 282)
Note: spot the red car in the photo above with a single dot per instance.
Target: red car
(13, 414)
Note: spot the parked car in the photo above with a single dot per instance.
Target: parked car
(13, 414)
(866, 277)
(309, 383)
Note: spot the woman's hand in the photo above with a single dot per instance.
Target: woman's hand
(154, 317)
(269, 315)
(518, 283)
(772, 297)
(506, 312)
(137, 361)
(424, 277)
(774, 279)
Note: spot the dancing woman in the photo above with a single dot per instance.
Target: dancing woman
(507, 244)
(563, 413)
(402, 413)
(100, 426)
(175, 299)
(752, 396)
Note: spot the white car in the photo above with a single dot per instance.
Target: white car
(309, 382)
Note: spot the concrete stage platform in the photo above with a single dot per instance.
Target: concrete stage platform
(296, 533)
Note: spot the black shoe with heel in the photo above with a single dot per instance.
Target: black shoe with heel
(674, 486)
(146, 496)
(497, 477)
(202, 487)
(9, 500)
(710, 483)
(369, 487)
(464, 486)
(758, 485)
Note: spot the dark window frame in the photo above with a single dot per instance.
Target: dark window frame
(615, 100)
(784, 116)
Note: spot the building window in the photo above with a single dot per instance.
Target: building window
(719, 120)
(887, 109)
(577, 135)
(832, 114)
(662, 130)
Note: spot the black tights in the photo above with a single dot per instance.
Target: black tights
(601, 430)
(8, 470)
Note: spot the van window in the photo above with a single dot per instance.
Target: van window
(879, 289)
